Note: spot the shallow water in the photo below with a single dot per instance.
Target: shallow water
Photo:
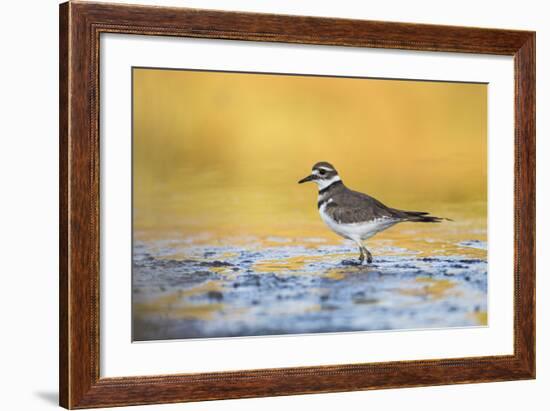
(200, 286)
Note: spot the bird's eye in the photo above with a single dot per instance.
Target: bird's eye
(322, 172)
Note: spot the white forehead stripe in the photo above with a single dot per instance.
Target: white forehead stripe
(322, 168)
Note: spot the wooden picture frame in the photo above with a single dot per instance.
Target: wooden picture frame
(80, 27)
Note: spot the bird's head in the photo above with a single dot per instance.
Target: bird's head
(323, 173)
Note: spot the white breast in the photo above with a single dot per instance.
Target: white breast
(356, 231)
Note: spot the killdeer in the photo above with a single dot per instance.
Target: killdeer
(353, 215)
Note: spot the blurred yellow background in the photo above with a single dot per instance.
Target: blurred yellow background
(222, 152)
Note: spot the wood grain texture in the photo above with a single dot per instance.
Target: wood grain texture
(63, 204)
(525, 203)
(80, 27)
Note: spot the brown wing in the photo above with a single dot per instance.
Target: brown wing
(357, 207)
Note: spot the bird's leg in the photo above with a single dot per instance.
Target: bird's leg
(362, 255)
(367, 253)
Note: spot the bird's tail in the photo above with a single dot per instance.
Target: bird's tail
(423, 217)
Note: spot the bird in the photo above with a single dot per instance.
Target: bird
(353, 215)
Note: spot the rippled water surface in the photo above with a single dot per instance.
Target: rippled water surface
(205, 286)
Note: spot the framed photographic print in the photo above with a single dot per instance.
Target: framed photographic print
(258, 205)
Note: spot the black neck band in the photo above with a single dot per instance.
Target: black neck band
(324, 190)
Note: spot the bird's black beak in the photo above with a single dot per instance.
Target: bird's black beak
(308, 178)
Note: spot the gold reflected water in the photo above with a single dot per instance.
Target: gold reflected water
(220, 154)
(176, 304)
